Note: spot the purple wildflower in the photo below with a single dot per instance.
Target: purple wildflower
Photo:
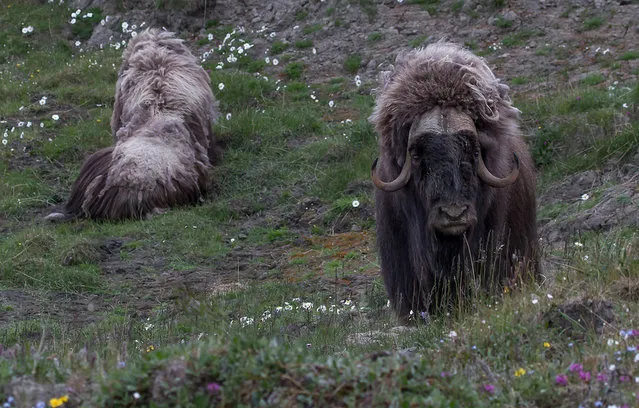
(561, 379)
(213, 387)
(624, 378)
(584, 375)
(490, 389)
(445, 374)
(602, 377)
(575, 367)
(598, 404)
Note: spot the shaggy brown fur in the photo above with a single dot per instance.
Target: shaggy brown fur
(161, 124)
(421, 266)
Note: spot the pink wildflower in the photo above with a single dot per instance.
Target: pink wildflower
(561, 380)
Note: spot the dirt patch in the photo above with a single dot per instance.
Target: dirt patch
(577, 318)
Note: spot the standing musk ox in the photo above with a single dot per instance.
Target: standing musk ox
(455, 198)
(161, 123)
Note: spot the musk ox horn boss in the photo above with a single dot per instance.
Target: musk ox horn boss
(455, 181)
(161, 123)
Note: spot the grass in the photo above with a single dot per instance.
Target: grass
(305, 43)
(375, 37)
(501, 22)
(278, 47)
(520, 37)
(593, 23)
(248, 298)
(352, 63)
(629, 55)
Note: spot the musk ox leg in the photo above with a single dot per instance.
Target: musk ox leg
(403, 288)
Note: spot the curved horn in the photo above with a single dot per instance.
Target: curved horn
(488, 178)
(396, 184)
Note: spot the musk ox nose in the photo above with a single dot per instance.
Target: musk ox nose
(453, 212)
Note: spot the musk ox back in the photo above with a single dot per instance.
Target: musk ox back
(455, 198)
(161, 123)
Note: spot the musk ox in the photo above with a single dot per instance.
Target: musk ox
(455, 197)
(161, 123)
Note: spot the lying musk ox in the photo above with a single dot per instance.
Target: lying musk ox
(161, 124)
(455, 198)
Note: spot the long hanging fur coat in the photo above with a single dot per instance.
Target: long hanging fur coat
(161, 123)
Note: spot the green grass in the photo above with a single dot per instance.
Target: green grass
(594, 79)
(278, 47)
(312, 28)
(294, 70)
(375, 37)
(629, 55)
(520, 37)
(503, 23)
(593, 23)
(418, 42)
(250, 298)
(352, 63)
(305, 43)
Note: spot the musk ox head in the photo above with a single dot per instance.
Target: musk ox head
(439, 114)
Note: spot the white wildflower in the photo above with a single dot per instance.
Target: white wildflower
(452, 334)
(136, 395)
(220, 86)
(275, 61)
(210, 37)
(228, 116)
(322, 309)
(579, 244)
(125, 26)
(55, 117)
(314, 51)
(133, 34)
(625, 105)
(355, 203)
(331, 104)
(637, 358)
(307, 305)
(5, 141)
(246, 321)
(77, 43)
(267, 60)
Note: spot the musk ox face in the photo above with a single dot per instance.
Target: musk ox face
(443, 167)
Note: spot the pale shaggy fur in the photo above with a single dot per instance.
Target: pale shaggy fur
(161, 123)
